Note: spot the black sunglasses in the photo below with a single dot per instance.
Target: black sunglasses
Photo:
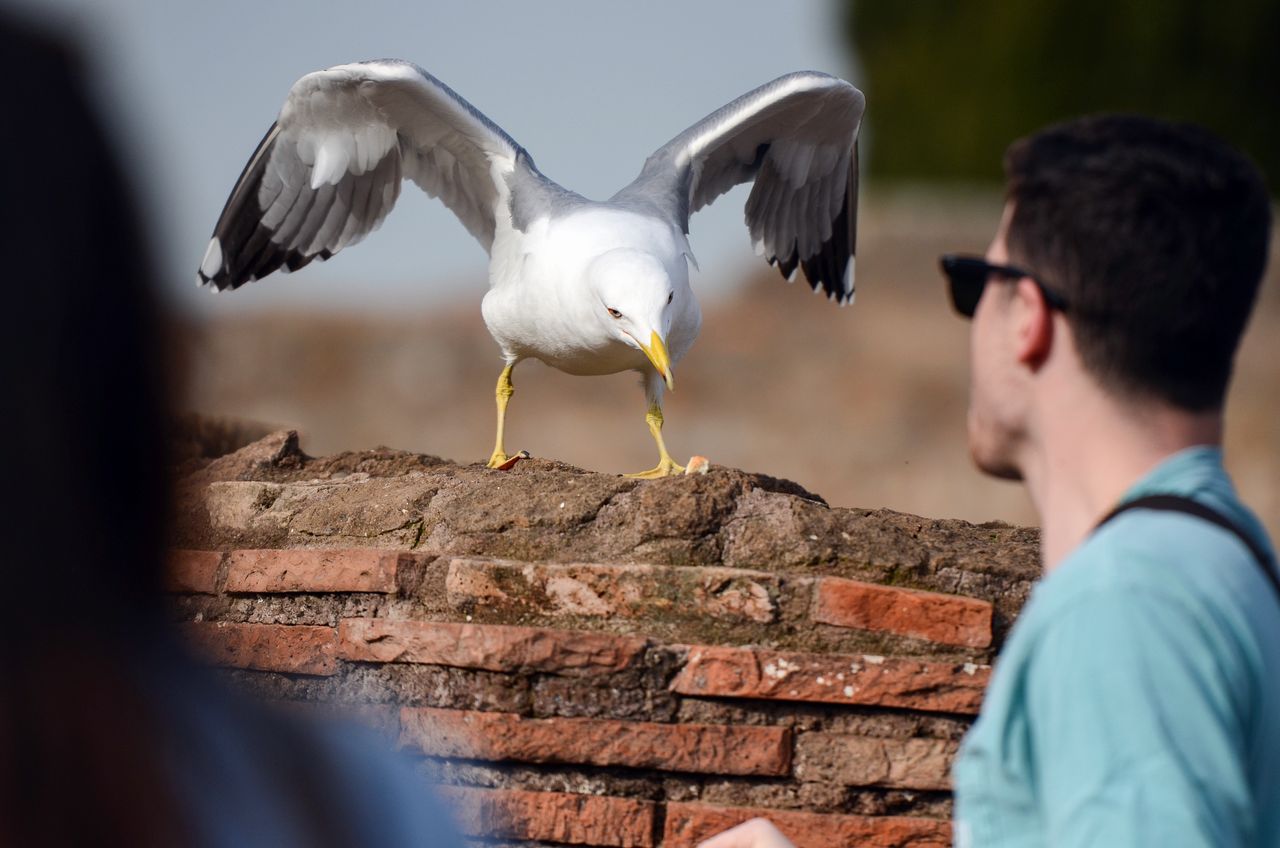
(968, 276)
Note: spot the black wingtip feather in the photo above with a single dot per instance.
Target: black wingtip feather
(787, 266)
(825, 269)
(247, 251)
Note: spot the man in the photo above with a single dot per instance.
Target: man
(1137, 699)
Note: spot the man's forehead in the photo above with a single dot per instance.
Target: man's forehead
(998, 251)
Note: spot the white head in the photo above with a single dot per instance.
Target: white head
(635, 302)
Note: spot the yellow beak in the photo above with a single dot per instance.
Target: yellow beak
(656, 350)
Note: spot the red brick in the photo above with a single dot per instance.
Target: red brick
(297, 649)
(349, 570)
(491, 647)
(192, 572)
(948, 619)
(727, 672)
(851, 760)
(551, 816)
(689, 824)
(698, 748)
(617, 590)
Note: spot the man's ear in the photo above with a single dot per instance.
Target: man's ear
(1033, 325)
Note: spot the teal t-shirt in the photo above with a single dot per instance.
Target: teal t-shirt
(1137, 699)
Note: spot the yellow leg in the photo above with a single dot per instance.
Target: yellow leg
(666, 465)
(503, 393)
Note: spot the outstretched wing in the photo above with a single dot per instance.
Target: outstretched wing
(796, 137)
(329, 170)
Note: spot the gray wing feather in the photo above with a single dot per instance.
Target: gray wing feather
(796, 138)
(330, 169)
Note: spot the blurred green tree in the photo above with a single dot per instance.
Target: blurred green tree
(951, 82)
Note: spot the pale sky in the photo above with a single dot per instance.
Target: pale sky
(590, 89)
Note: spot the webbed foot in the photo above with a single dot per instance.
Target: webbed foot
(666, 467)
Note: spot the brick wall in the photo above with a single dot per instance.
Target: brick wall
(561, 734)
(580, 659)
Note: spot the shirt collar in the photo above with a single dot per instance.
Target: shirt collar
(1194, 470)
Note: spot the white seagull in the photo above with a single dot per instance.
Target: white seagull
(588, 287)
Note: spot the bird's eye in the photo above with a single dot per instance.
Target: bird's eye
(671, 297)
(615, 313)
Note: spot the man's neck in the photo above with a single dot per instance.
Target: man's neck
(1091, 451)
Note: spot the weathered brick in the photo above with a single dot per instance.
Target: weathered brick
(394, 685)
(853, 760)
(192, 572)
(617, 590)
(469, 582)
(487, 646)
(688, 824)
(345, 570)
(636, 696)
(297, 649)
(698, 748)
(948, 619)
(551, 816)
(729, 672)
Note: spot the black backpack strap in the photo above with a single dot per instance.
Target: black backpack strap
(1177, 503)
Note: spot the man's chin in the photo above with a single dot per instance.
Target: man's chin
(993, 465)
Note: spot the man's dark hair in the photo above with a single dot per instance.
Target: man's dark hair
(1156, 233)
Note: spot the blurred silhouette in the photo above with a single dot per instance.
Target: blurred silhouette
(107, 734)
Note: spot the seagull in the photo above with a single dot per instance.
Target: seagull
(588, 287)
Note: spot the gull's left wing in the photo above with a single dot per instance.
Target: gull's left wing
(796, 137)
